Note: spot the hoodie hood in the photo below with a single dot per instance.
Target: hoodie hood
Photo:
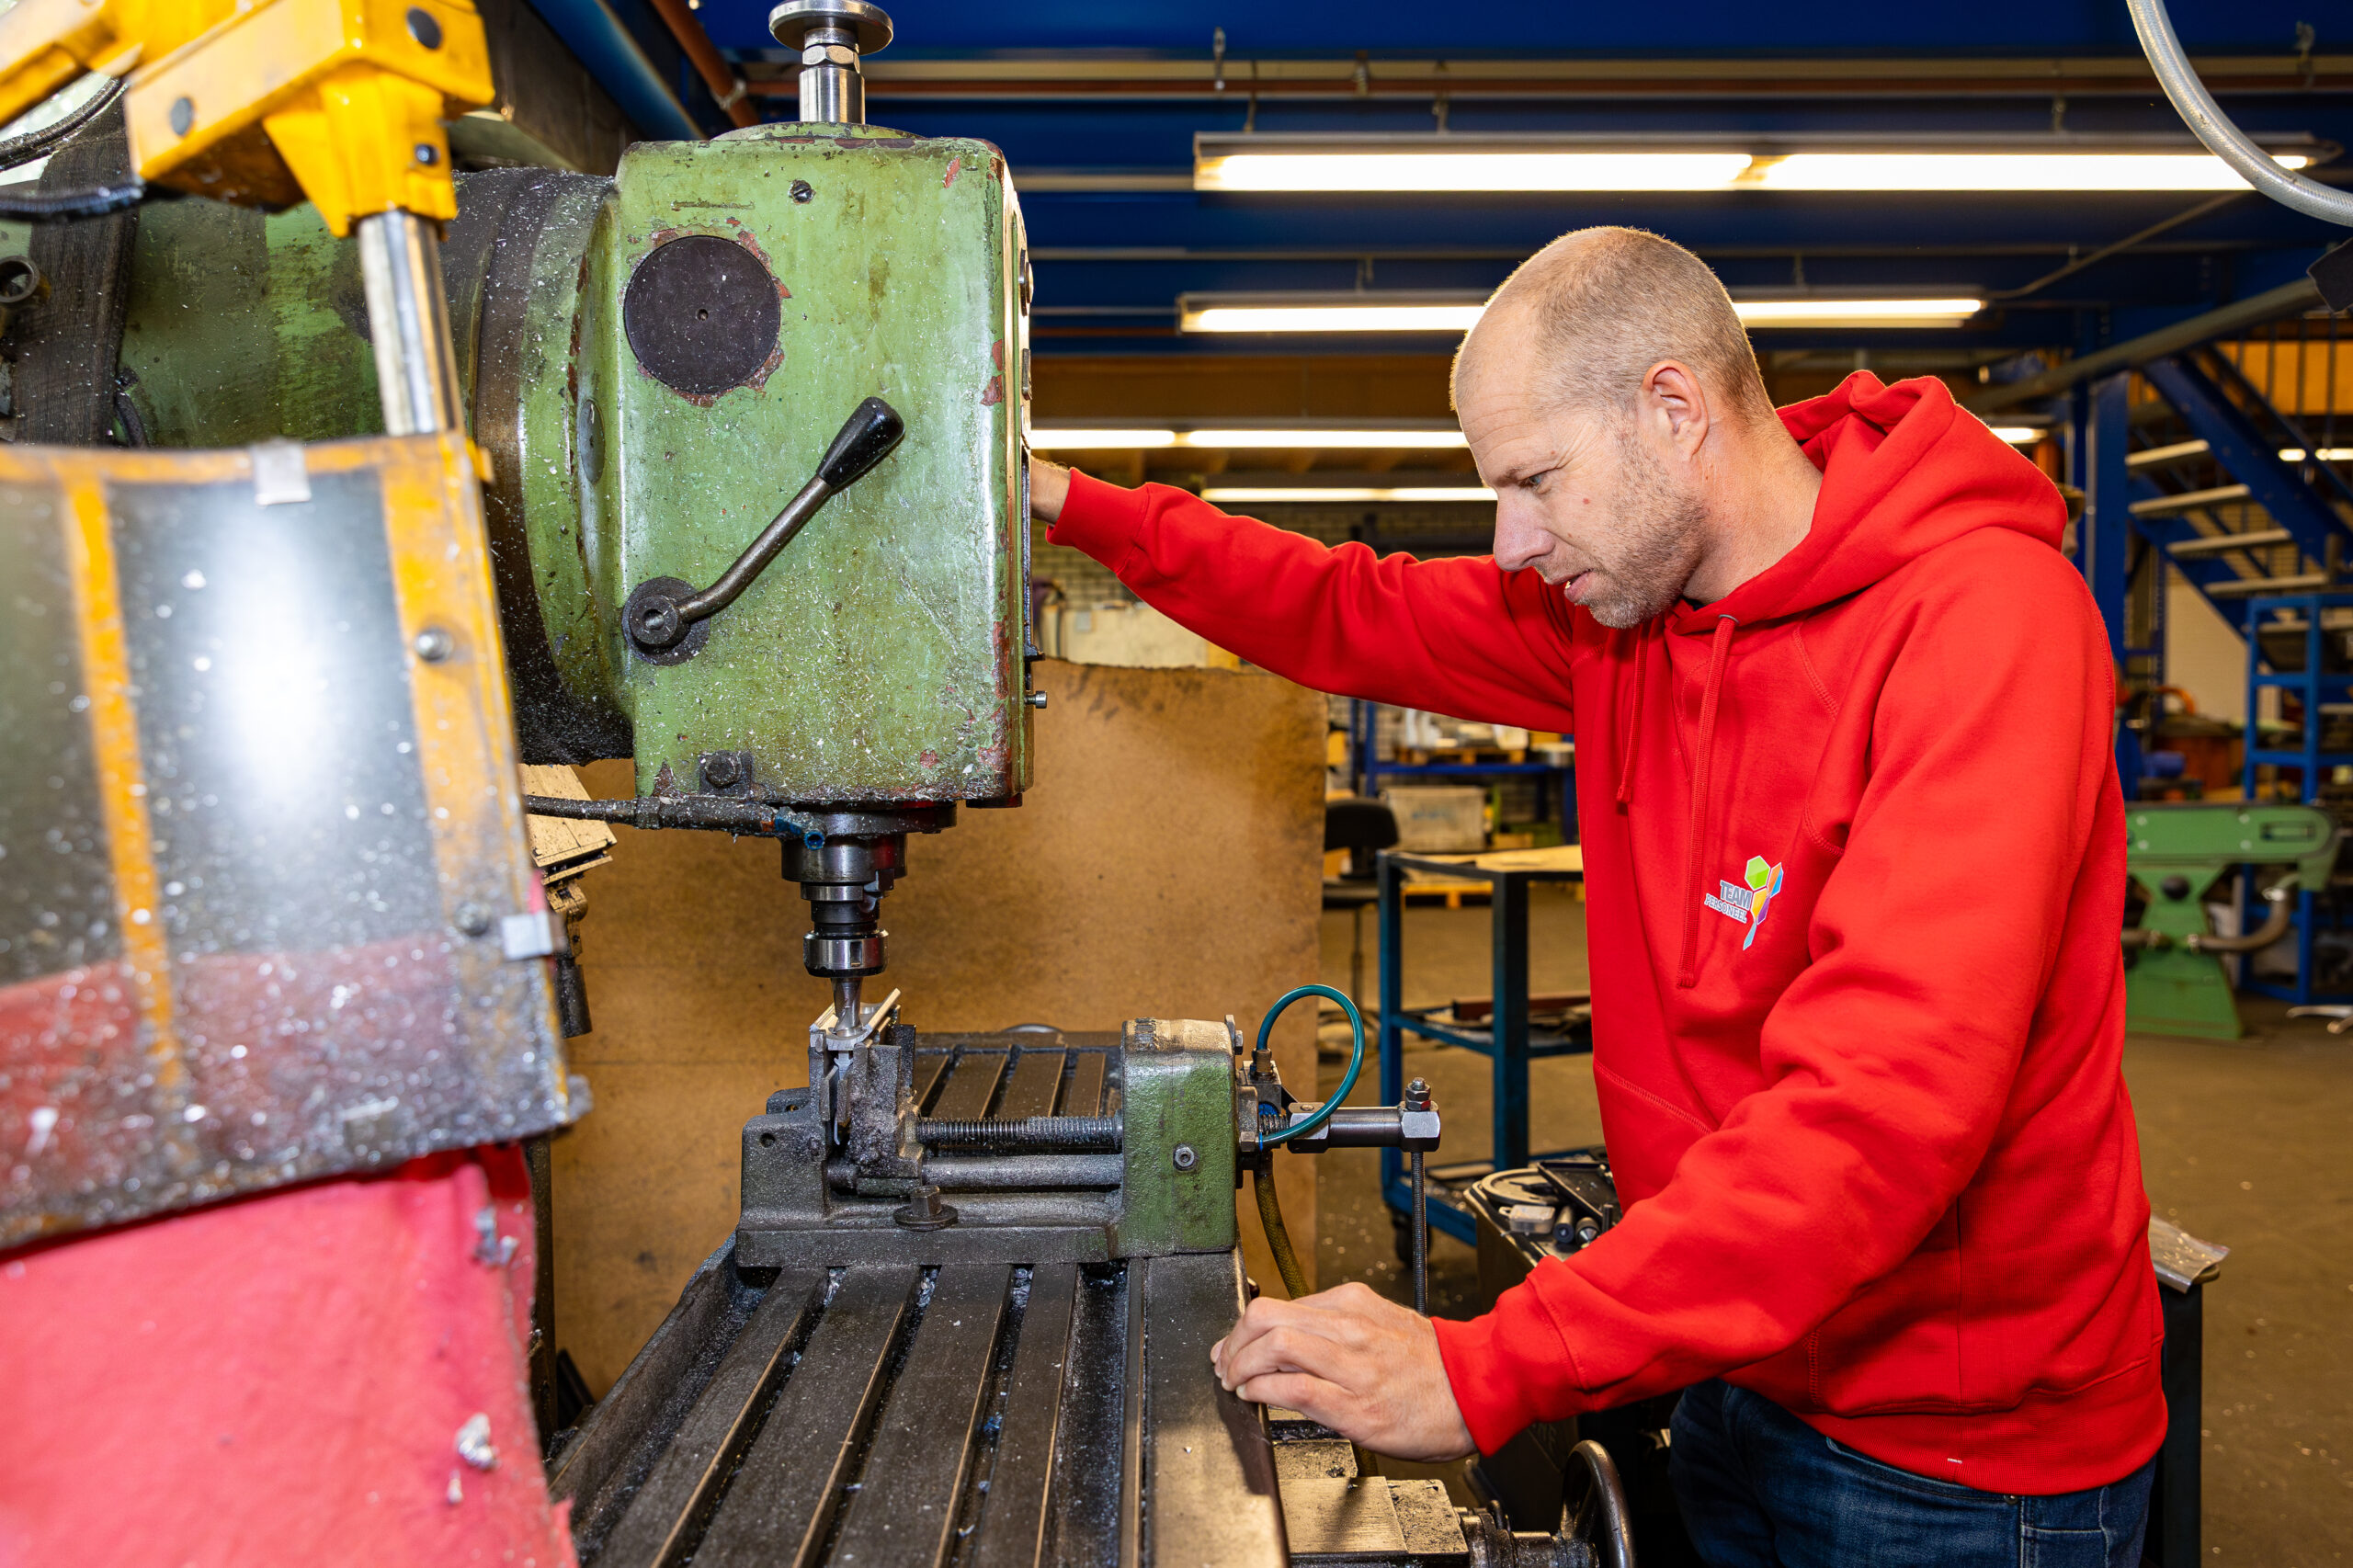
(1904, 469)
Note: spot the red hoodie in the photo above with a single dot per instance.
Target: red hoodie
(1854, 861)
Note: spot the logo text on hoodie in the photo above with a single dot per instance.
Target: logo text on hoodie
(1748, 904)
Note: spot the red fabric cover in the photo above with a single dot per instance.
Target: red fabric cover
(279, 1381)
(1875, 1147)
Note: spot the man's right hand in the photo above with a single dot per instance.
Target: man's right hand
(1049, 488)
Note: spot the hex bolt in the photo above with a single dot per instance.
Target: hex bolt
(719, 771)
(423, 28)
(800, 190)
(1417, 1095)
(183, 116)
(432, 644)
(473, 920)
(1184, 1158)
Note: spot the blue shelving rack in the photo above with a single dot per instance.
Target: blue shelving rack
(2312, 687)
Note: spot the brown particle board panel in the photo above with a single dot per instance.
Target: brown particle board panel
(1166, 863)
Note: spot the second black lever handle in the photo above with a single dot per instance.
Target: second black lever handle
(658, 617)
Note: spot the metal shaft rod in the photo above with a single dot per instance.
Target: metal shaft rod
(833, 88)
(1421, 1236)
(408, 323)
(756, 558)
(846, 995)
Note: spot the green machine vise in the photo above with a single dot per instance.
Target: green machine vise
(656, 367)
(2176, 983)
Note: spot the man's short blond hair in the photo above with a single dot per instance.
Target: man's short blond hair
(1608, 303)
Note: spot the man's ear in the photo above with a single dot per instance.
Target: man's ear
(1672, 392)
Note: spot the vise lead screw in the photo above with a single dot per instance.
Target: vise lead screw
(1418, 1098)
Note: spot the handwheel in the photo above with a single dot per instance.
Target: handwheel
(1595, 1514)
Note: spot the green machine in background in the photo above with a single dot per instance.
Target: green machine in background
(2176, 983)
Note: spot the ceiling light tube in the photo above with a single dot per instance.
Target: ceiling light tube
(1224, 162)
(1329, 314)
(1470, 171)
(2003, 171)
(1280, 314)
(1301, 440)
(1253, 494)
(1790, 312)
(1082, 439)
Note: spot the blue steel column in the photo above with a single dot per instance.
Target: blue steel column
(2106, 536)
(1509, 1020)
(1392, 987)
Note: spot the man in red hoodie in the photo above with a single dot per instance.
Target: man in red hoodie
(1855, 860)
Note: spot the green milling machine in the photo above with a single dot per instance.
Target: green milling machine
(967, 1311)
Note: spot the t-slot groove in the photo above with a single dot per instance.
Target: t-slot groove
(989, 1418)
(895, 1361)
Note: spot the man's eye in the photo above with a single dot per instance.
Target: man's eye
(1535, 481)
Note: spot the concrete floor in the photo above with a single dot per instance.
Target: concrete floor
(2247, 1143)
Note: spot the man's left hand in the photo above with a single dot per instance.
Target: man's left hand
(1361, 1365)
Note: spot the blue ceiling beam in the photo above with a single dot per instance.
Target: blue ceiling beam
(1989, 27)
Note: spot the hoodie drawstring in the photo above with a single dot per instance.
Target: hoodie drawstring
(1634, 717)
(1698, 856)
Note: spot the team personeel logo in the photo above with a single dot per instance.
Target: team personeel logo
(1748, 904)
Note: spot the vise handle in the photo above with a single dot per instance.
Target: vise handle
(659, 616)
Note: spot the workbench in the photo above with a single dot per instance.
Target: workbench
(1510, 1039)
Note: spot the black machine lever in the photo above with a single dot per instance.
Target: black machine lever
(662, 611)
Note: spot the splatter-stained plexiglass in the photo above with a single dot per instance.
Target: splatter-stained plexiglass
(249, 870)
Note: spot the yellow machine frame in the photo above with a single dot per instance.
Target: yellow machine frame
(337, 100)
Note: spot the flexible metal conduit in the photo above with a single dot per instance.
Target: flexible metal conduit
(591, 31)
(2210, 125)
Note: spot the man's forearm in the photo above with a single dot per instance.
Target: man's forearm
(1049, 488)
(1453, 635)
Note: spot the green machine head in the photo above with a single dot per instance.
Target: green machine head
(793, 624)
(753, 415)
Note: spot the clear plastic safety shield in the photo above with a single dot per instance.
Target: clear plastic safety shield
(260, 829)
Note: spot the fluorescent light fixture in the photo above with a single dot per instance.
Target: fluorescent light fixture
(2327, 454)
(1788, 312)
(1471, 171)
(1071, 438)
(1373, 313)
(2003, 171)
(1329, 313)
(1226, 161)
(1253, 494)
(2021, 434)
(1080, 440)
(1302, 440)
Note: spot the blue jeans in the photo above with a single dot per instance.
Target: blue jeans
(1758, 1488)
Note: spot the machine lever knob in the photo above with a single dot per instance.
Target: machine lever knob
(873, 429)
(662, 611)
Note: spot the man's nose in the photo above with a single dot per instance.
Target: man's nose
(1518, 541)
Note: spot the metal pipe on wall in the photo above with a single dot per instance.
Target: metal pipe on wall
(727, 85)
(2288, 299)
(592, 32)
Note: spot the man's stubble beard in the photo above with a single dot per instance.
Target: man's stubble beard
(1655, 544)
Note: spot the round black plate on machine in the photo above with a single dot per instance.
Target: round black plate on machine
(701, 313)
